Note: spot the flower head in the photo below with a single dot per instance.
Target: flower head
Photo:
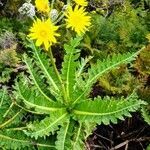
(27, 9)
(78, 19)
(81, 2)
(43, 32)
(53, 14)
(42, 5)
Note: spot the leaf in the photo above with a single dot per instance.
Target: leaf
(77, 143)
(44, 64)
(3, 97)
(14, 141)
(70, 137)
(17, 140)
(106, 109)
(47, 126)
(36, 77)
(63, 137)
(5, 74)
(80, 83)
(34, 99)
(103, 67)
(108, 64)
(88, 128)
(10, 114)
(148, 147)
(69, 65)
(146, 114)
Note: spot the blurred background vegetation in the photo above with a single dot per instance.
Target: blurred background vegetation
(118, 26)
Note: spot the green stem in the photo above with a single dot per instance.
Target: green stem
(57, 74)
(52, 4)
(33, 112)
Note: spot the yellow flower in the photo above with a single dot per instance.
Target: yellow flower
(77, 19)
(43, 32)
(42, 5)
(81, 2)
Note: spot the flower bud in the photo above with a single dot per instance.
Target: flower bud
(27, 9)
(53, 14)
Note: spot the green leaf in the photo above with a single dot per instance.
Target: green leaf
(69, 65)
(4, 98)
(77, 143)
(88, 128)
(36, 77)
(106, 109)
(17, 140)
(43, 62)
(70, 137)
(80, 72)
(146, 114)
(108, 64)
(10, 114)
(148, 147)
(47, 126)
(63, 137)
(34, 99)
(102, 67)
(5, 74)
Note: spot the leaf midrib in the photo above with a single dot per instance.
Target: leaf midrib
(57, 120)
(65, 134)
(79, 112)
(68, 73)
(112, 66)
(51, 80)
(37, 85)
(37, 106)
(23, 141)
(98, 75)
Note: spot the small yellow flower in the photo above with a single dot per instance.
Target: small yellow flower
(78, 19)
(42, 6)
(81, 2)
(43, 32)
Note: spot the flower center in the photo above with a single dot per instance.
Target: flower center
(43, 33)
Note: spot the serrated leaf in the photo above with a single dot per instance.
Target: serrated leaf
(108, 64)
(37, 79)
(69, 65)
(10, 114)
(70, 137)
(106, 110)
(62, 137)
(44, 64)
(16, 140)
(77, 143)
(33, 99)
(47, 126)
(146, 114)
(102, 67)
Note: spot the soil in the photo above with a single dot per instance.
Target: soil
(131, 134)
